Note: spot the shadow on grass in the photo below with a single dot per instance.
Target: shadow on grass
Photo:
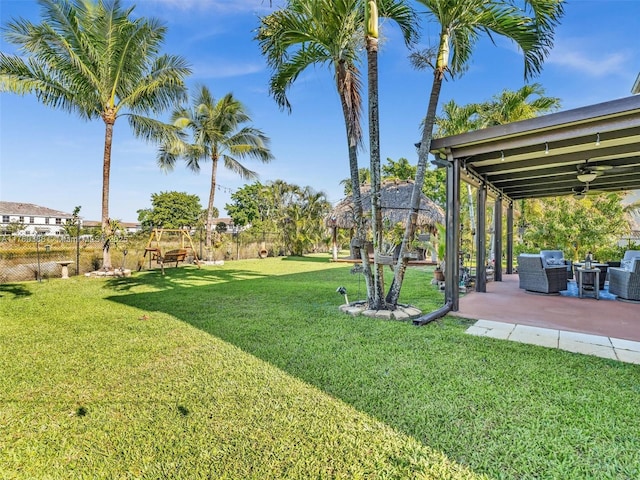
(306, 259)
(14, 289)
(178, 277)
(464, 396)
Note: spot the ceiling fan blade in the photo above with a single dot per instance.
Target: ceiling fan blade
(593, 167)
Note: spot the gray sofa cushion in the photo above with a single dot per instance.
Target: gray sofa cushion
(554, 262)
(631, 254)
(555, 258)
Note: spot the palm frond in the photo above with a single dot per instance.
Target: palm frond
(236, 167)
(155, 131)
(529, 24)
(403, 15)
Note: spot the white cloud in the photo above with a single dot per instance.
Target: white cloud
(593, 63)
(224, 69)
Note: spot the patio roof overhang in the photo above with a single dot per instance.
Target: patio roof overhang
(542, 157)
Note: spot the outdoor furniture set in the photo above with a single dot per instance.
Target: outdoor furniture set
(538, 275)
(548, 272)
(624, 281)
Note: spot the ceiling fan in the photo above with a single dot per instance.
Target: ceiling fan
(581, 192)
(588, 172)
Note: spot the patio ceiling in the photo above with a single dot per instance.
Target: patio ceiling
(543, 156)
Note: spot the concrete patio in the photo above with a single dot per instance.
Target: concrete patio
(605, 328)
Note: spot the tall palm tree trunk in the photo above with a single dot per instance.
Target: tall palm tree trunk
(351, 123)
(423, 152)
(212, 195)
(106, 171)
(361, 233)
(374, 147)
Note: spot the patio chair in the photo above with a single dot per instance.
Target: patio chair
(554, 258)
(624, 281)
(536, 277)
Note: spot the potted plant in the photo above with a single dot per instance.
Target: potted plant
(438, 273)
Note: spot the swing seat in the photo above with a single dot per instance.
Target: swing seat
(155, 252)
(171, 256)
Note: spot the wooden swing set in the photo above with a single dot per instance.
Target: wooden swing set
(177, 255)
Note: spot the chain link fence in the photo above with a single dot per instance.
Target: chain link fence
(40, 258)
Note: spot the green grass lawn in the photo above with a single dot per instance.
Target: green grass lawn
(250, 371)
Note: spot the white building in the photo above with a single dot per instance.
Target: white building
(127, 228)
(28, 219)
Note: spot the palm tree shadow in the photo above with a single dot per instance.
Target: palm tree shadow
(14, 289)
(245, 309)
(302, 258)
(177, 277)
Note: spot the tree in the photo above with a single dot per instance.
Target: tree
(247, 203)
(506, 107)
(364, 176)
(72, 225)
(376, 298)
(297, 213)
(462, 22)
(512, 106)
(576, 226)
(398, 170)
(456, 119)
(325, 32)
(92, 58)
(171, 210)
(274, 200)
(304, 222)
(218, 130)
(509, 106)
(14, 226)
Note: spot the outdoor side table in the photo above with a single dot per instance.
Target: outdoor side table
(596, 283)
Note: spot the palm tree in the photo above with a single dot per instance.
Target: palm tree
(512, 106)
(93, 59)
(364, 177)
(462, 22)
(304, 225)
(218, 132)
(371, 40)
(325, 32)
(456, 119)
(508, 106)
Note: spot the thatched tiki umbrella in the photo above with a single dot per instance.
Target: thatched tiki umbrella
(395, 201)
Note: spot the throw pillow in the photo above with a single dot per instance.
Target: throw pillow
(552, 262)
(626, 264)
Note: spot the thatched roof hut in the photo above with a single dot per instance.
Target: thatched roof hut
(395, 200)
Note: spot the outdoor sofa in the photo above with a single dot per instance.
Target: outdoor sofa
(624, 281)
(554, 258)
(535, 276)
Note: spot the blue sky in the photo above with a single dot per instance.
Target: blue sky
(54, 159)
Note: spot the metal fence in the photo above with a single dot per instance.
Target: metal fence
(40, 258)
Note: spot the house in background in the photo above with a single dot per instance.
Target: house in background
(95, 227)
(27, 219)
